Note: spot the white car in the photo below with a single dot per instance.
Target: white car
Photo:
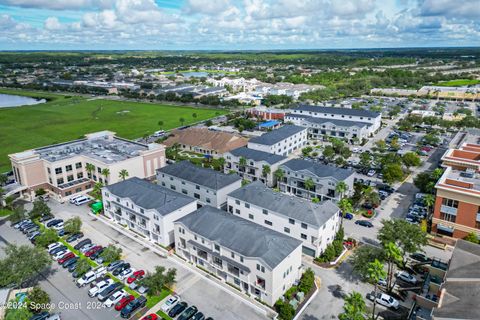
(407, 277)
(72, 199)
(371, 173)
(81, 200)
(87, 278)
(173, 300)
(58, 226)
(99, 287)
(114, 298)
(382, 282)
(126, 273)
(53, 246)
(384, 300)
(60, 254)
(355, 150)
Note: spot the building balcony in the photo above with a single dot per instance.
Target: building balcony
(449, 210)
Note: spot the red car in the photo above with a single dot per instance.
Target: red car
(123, 302)
(151, 316)
(136, 275)
(66, 257)
(92, 251)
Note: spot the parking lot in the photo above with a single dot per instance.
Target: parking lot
(209, 297)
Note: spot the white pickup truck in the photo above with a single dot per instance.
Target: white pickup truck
(91, 275)
(99, 287)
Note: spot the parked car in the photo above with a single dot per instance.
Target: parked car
(126, 273)
(348, 216)
(18, 224)
(143, 290)
(66, 257)
(40, 316)
(69, 262)
(99, 287)
(364, 223)
(382, 282)
(168, 305)
(188, 313)
(151, 316)
(92, 250)
(136, 276)
(55, 250)
(53, 222)
(407, 277)
(112, 265)
(371, 173)
(123, 302)
(177, 309)
(133, 306)
(384, 300)
(105, 294)
(90, 276)
(420, 257)
(96, 254)
(74, 237)
(114, 298)
(86, 247)
(198, 316)
(60, 254)
(120, 268)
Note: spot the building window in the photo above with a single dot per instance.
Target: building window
(196, 195)
(197, 187)
(142, 211)
(70, 178)
(184, 191)
(78, 165)
(78, 190)
(237, 211)
(58, 170)
(48, 170)
(163, 184)
(268, 223)
(291, 221)
(241, 259)
(173, 187)
(450, 203)
(448, 217)
(183, 182)
(287, 230)
(68, 168)
(303, 236)
(304, 226)
(237, 201)
(217, 247)
(250, 216)
(265, 211)
(247, 205)
(208, 200)
(68, 193)
(99, 170)
(80, 175)
(59, 181)
(232, 254)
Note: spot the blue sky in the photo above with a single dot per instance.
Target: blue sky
(236, 24)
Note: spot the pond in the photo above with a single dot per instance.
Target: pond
(197, 74)
(8, 100)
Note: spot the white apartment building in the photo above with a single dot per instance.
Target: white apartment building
(146, 208)
(315, 224)
(335, 121)
(257, 260)
(208, 186)
(282, 141)
(249, 164)
(63, 169)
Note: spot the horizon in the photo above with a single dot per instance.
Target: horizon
(230, 25)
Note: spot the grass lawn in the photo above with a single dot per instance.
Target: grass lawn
(163, 315)
(458, 83)
(5, 212)
(153, 300)
(65, 118)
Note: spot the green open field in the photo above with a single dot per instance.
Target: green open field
(458, 83)
(65, 118)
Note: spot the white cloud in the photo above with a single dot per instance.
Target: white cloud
(59, 4)
(52, 23)
(209, 7)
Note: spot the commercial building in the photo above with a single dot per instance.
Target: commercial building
(146, 208)
(251, 164)
(204, 141)
(352, 124)
(282, 141)
(208, 186)
(315, 224)
(257, 260)
(73, 167)
(324, 179)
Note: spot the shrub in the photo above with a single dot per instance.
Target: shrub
(307, 281)
(285, 310)
(291, 292)
(338, 247)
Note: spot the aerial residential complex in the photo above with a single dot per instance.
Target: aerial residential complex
(457, 205)
(315, 224)
(255, 259)
(253, 164)
(282, 141)
(352, 124)
(208, 186)
(64, 169)
(324, 178)
(146, 208)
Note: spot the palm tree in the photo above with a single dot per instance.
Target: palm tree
(279, 174)
(309, 185)
(345, 206)
(145, 137)
(221, 163)
(97, 190)
(90, 168)
(429, 201)
(354, 307)
(266, 171)
(123, 174)
(341, 188)
(242, 162)
(375, 273)
(106, 174)
(393, 256)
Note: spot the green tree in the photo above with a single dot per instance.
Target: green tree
(354, 307)
(411, 159)
(345, 206)
(19, 213)
(22, 263)
(472, 237)
(90, 169)
(111, 253)
(159, 279)
(82, 266)
(279, 174)
(106, 174)
(408, 237)
(221, 163)
(341, 188)
(145, 136)
(39, 208)
(46, 237)
(361, 258)
(123, 174)
(393, 257)
(194, 115)
(365, 159)
(307, 281)
(309, 185)
(306, 151)
(392, 173)
(17, 314)
(381, 145)
(429, 201)
(73, 225)
(160, 124)
(328, 153)
(375, 273)
(182, 121)
(40, 192)
(242, 162)
(37, 297)
(285, 310)
(3, 179)
(266, 170)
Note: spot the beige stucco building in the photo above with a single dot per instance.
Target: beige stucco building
(62, 169)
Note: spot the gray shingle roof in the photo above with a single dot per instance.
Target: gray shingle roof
(202, 176)
(319, 170)
(239, 235)
(149, 196)
(277, 135)
(257, 155)
(315, 214)
(337, 110)
(340, 123)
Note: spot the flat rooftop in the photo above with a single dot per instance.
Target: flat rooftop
(102, 146)
(461, 179)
